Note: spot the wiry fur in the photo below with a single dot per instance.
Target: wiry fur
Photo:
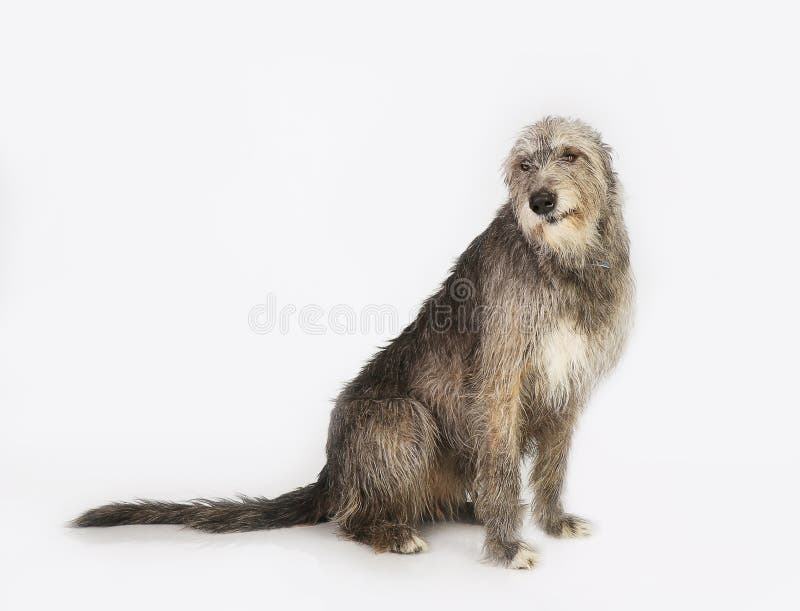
(497, 365)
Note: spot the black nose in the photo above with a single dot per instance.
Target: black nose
(542, 202)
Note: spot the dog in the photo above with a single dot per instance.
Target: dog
(496, 367)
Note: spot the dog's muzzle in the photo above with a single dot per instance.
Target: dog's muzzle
(542, 202)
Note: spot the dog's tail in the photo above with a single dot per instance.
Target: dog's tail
(306, 505)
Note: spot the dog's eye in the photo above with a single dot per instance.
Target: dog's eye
(569, 157)
(524, 166)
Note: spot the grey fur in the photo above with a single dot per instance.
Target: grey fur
(498, 365)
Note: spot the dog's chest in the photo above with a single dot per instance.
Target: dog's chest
(562, 357)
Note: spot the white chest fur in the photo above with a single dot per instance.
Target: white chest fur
(563, 359)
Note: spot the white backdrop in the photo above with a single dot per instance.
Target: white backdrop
(165, 167)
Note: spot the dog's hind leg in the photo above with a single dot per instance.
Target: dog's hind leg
(387, 537)
(382, 454)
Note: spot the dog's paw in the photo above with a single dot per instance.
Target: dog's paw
(514, 554)
(412, 545)
(525, 558)
(569, 526)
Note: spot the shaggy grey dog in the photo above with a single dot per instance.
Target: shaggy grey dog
(497, 366)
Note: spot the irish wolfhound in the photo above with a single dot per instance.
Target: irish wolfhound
(497, 365)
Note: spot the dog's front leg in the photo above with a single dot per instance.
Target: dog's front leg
(547, 480)
(497, 482)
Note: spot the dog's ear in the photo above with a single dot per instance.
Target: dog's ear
(607, 155)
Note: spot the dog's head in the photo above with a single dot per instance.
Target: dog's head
(559, 179)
